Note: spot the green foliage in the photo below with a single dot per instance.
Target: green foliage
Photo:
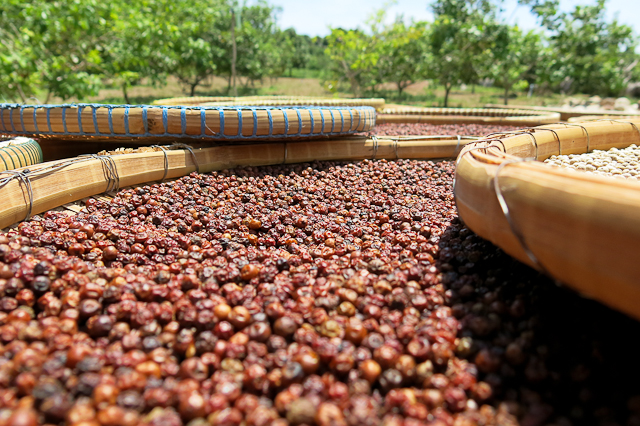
(404, 56)
(71, 48)
(354, 57)
(460, 38)
(593, 55)
(513, 58)
(55, 46)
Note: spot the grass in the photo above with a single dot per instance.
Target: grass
(308, 83)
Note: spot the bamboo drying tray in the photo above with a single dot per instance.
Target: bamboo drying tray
(568, 113)
(152, 124)
(508, 117)
(19, 152)
(602, 117)
(53, 184)
(376, 103)
(581, 229)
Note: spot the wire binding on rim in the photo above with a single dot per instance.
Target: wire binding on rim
(585, 131)
(190, 149)
(507, 213)
(166, 162)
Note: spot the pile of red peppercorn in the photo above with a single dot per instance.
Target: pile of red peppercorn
(322, 294)
(391, 129)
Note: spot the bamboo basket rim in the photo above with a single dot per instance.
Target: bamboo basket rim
(24, 196)
(25, 151)
(476, 112)
(515, 159)
(258, 100)
(571, 110)
(154, 122)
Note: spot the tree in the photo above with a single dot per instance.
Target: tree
(198, 35)
(140, 44)
(403, 54)
(595, 55)
(461, 32)
(513, 57)
(354, 56)
(55, 46)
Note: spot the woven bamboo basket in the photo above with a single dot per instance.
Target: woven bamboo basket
(376, 103)
(508, 117)
(567, 113)
(601, 118)
(151, 124)
(19, 152)
(581, 229)
(53, 184)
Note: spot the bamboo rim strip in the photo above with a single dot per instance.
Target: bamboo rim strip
(87, 176)
(467, 112)
(534, 120)
(567, 113)
(157, 123)
(376, 103)
(19, 152)
(601, 117)
(581, 229)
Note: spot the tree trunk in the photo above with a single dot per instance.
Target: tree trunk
(21, 93)
(400, 89)
(193, 88)
(125, 94)
(447, 89)
(473, 89)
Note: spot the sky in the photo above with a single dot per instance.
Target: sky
(315, 17)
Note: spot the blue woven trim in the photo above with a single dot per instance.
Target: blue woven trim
(333, 121)
(286, 122)
(80, 119)
(144, 120)
(82, 131)
(49, 122)
(165, 121)
(255, 122)
(126, 120)
(64, 119)
(22, 119)
(300, 123)
(95, 120)
(35, 122)
(11, 120)
(270, 118)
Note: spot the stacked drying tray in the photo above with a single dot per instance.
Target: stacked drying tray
(581, 228)
(234, 136)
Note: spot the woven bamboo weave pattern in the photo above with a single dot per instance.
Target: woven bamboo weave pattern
(581, 229)
(377, 103)
(19, 152)
(157, 122)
